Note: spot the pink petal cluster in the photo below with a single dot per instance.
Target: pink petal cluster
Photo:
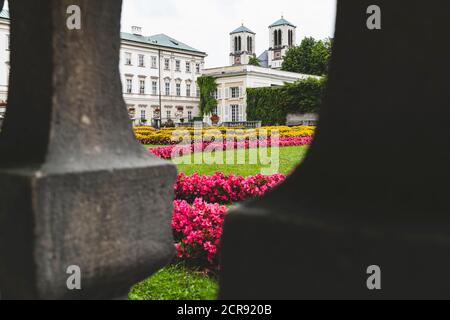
(224, 189)
(197, 229)
(167, 151)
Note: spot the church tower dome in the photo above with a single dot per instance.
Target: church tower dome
(282, 35)
(242, 45)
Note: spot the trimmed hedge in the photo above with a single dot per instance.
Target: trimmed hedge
(272, 105)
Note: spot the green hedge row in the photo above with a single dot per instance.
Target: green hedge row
(271, 105)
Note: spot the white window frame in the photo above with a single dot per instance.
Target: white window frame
(154, 62)
(129, 85)
(167, 88)
(128, 58)
(154, 87)
(167, 64)
(178, 65)
(178, 89)
(188, 90)
(234, 92)
(188, 67)
(141, 86)
(141, 60)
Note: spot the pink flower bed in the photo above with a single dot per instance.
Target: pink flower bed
(197, 229)
(224, 189)
(168, 151)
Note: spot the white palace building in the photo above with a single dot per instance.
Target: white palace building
(158, 75)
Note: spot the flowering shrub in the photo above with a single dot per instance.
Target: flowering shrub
(167, 152)
(224, 189)
(197, 230)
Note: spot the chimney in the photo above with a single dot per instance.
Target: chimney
(136, 30)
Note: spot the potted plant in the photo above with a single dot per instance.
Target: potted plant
(215, 119)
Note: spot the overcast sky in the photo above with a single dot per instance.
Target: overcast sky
(206, 24)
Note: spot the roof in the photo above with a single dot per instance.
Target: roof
(264, 59)
(160, 40)
(242, 29)
(282, 22)
(4, 14)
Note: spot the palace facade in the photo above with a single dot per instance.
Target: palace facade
(158, 76)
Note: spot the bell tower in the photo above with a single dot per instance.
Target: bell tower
(242, 45)
(282, 35)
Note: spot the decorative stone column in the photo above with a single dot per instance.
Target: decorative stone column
(374, 189)
(76, 187)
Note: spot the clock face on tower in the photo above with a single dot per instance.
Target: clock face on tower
(237, 60)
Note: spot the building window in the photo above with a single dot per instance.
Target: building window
(234, 92)
(188, 90)
(249, 44)
(154, 62)
(197, 67)
(215, 94)
(178, 65)
(154, 88)
(169, 114)
(7, 42)
(189, 115)
(167, 64)
(141, 60)
(142, 86)
(234, 113)
(167, 88)
(129, 85)
(128, 59)
(178, 89)
(188, 67)
(143, 114)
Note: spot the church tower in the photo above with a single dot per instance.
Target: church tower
(282, 37)
(242, 45)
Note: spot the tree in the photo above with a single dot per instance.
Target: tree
(310, 57)
(254, 62)
(207, 86)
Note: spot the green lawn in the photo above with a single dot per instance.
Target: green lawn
(176, 282)
(289, 158)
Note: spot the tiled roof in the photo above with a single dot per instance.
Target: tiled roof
(264, 59)
(159, 40)
(4, 14)
(242, 29)
(281, 22)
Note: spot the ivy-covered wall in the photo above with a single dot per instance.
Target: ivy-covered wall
(271, 105)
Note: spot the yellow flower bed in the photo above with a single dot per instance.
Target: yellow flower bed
(149, 135)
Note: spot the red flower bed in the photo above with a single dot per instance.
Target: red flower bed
(169, 152)
(224, 189)
(197, 229)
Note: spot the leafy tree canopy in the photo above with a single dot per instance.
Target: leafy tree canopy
(310, 57)
(254, 62)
